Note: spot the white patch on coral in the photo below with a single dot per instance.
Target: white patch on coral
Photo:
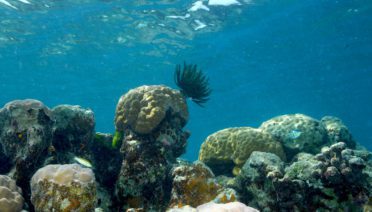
(223, 2)
(198, 5)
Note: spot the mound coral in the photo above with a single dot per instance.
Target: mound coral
(297, 133)
(193, 83)
(63, 188)
(227, 150)
(10, 195)
(142, 109)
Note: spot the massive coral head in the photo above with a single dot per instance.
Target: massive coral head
(192, 83)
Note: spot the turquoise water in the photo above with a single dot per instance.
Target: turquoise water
(263, 58)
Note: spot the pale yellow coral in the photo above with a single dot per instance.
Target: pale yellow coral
(142, 109)
(233, 146)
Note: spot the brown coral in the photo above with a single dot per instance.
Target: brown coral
(230, 148)
(193, 185)
(142, 109)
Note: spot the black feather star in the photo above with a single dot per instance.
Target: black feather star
(192, 83)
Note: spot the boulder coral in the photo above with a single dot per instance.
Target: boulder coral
(11, 199)
(68, 187)
(143, 108)
(227, 150)
(297, 133)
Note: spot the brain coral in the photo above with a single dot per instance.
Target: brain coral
(63, 188)
(232, 146)
(143, 108)
(10, 195)
(297, 133)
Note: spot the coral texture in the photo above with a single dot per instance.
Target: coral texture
(193, 185)
(143, 108)
(11, 199)
(63, 188)
(230, 148)
(331, 180)
(73, 129)
(25, 133)
(297, 133)
(337, 131)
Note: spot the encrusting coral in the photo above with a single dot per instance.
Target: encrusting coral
(192, 83)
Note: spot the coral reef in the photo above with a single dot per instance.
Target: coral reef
(331, 180)
(297, 133)
(337, 131)
(193, 83)
(227, 150)
(150, 120)
(143, 108)
(11, 199)
(63, 188)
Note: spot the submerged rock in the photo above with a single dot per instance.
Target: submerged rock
(73, 129)
(227, 150)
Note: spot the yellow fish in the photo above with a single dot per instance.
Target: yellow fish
(83, 162)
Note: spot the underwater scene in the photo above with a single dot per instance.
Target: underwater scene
(185, 106)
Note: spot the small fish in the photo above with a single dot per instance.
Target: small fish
(294, 134)
(83, 162)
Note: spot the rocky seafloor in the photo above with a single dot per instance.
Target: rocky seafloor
(53, 160)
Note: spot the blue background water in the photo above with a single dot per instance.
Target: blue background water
(264, 59)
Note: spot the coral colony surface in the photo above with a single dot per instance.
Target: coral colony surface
(53, 160)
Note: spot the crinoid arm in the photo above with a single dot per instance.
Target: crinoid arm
(192, 83)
